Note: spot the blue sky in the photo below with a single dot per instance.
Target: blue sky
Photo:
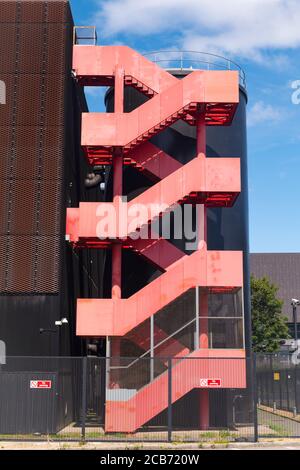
(263, 36)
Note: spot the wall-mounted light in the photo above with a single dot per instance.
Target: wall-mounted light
(58, 324)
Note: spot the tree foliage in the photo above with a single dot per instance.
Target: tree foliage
(269, 326)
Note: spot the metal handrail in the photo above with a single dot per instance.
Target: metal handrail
(171, 336)
(156, 346)
(185, 56)
(92, 37)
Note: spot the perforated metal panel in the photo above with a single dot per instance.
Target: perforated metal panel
(35, 58)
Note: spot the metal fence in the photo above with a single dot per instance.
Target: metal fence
(278, 395)
(121, 399)
(148, 399)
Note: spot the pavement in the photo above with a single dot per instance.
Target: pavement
(282, 444)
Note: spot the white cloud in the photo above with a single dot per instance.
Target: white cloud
(261, 113)
(239, 27)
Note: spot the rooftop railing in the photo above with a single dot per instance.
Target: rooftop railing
(194, 60)
(85, 36)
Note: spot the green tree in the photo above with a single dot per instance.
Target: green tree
(269, 326)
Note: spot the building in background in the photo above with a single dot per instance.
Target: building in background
(283, 270)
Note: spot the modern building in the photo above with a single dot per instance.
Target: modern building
(283, 270)
(157, 283)
(41, 173)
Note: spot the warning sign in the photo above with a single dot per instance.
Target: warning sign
(41, 384)
(210, 383)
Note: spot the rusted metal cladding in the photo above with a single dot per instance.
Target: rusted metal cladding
(35, 54)
(40, 172)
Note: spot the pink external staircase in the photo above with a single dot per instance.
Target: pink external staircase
(202, 99)
(116, 317)
(214, 182)
(129, 415)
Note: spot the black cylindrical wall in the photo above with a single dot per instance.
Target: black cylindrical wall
(227, 227)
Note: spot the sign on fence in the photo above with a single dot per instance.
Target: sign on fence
(41, 384)
(210, 383)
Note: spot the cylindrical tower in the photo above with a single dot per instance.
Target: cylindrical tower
(227, 228)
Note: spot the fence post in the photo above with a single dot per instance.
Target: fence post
(254, 381)
(170, 411)
(287, 389)
(272, 381)
(83, 398)
(296, 398)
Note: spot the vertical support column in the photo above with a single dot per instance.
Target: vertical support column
(202, 233)
(116, 291)
(254, 395)
(296, 388)
(197, 314)
(170, 410)
(117, 159)
(117, 189)
(83, 397)
(201, 153)
(203, 300)
(152, 348)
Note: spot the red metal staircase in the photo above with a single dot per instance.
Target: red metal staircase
(197, 91)
(116, 317)
(129, 414)
(202, 99)
(214, 182)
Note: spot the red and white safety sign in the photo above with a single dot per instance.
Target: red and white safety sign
(40, 384)
(210, 383)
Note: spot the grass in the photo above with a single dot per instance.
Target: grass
(278, 429)
(218, 437)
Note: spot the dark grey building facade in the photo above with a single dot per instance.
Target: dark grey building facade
(283, 269)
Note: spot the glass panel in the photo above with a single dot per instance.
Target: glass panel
(225, 304)
(179, 344)
(134, 344)
(123, 371)
(221, 318)
(226, 333)
(174, 327)
(131, 374)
